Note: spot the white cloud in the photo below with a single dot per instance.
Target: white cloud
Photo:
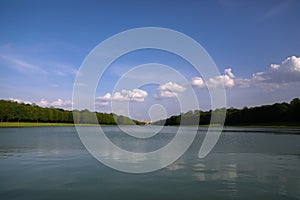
(57, 103)
(170, 86)
(219, 81)
(106, 97)
(166, 94)
(277, 76)
(226, 80)
(229, 73)
(104, 103)
(137, 95)
(19, 101)
(198, 82)
(286, 72)
(169, 90)
(46, 103)
(130, 95)
(61, 103)
(43, 103)
(242, 82)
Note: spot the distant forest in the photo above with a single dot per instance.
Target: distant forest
(11, 111)
(276, 114)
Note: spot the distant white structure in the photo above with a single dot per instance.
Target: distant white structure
(147, 122)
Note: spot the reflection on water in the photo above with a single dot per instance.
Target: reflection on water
(176, 166)
(222, 172)
(8, 151)
(51, 163)
(218, 172)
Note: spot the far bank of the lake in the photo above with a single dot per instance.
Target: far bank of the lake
(38, 124)
(45, 124)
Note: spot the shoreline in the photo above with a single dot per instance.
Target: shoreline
(45, 124)
(42, 124)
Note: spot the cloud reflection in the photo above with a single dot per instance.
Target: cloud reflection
(205, 172)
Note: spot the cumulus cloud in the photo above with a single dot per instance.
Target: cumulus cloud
(198, 82)
(229, 73)
(43, 103)
(227, 80)
(286, 72)
(19, 101)
(221, 80)
(130, 95)
(46, 103)
(170, 86)
(169, 90)
(106, 97)
(61, 103)
(278, 75)
(137, 95)
(166, 94)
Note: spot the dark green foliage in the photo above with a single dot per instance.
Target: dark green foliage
(278, 113)
(14, 112)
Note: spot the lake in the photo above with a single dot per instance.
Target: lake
(246, 163)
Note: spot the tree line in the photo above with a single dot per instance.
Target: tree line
(11, 111)
(276, 114)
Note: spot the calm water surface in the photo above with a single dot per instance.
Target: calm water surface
(246, 163)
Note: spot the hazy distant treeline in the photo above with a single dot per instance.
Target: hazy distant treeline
(19, 112)
(278, 113)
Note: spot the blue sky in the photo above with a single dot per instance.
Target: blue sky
(43, 43)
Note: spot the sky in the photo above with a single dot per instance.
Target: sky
(254, 44)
